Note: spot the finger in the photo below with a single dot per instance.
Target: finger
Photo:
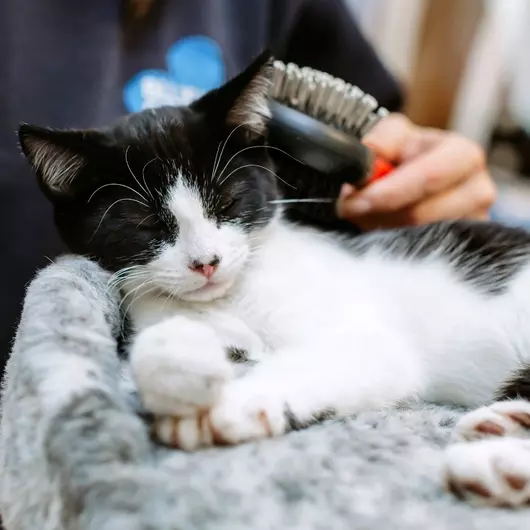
(423, 140)
(402, 219)
(452, 161)
(390, 136)
(382, 221)
(482, 215)
(471, 200)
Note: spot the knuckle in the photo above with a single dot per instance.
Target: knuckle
(474, 151)
(477, 154)
(398, 120)
(433, 181)
(488, 193)
(393, 122)
(415, 217)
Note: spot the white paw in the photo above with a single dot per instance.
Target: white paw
(239, 416)
(490, 472)
(180, 366)
(504, 418)
(234, 332)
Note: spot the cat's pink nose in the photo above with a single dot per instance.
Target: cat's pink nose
(206, 269)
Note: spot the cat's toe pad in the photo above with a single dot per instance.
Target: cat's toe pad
(490, 472)
(179, 369)
(230, 422)
(504, 418)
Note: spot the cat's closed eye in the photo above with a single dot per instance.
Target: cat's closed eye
(227, 207)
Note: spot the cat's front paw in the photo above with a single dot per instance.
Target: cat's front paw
(180, 367)
(504, 418)
(493, 472)
(240, 416)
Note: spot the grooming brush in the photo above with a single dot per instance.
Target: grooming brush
(320, 120)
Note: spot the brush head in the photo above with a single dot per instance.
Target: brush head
(320, 119)
(328, 99)
(324, 148)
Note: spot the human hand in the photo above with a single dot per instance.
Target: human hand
(439, 175)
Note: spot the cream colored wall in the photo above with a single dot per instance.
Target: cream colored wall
(462, 61)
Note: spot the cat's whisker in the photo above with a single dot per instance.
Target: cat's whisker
(132, 172)
(263, 147)
(323, 200)
(254, 165)
(143, 176)
(135, 299)
(114, 282)
(121, 272)
(135, 290)
(116, 285)
(116, 184)
(145, 219)
(109, 208)
(171, 297)
(222, 151)
(214, 167)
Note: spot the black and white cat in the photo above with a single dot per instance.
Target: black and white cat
(185, 207)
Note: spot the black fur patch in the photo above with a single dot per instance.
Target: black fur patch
(109, 187)
(518, 386)
(237, 355)
(294, 424)
(487, 255)
(124, 337)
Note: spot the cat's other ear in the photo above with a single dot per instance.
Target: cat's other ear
(57, 156)
(245, 98)
(251, 107)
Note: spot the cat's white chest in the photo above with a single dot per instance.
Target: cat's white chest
(295, 287)
(302, 285)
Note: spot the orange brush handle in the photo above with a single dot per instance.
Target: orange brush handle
(381, 168)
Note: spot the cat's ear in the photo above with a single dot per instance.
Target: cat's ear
(251, 107)
(244, 100)
(57, 156)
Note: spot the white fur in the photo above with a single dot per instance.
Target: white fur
(199, 239)
(182, 354)
(57, 165)
(332, 330)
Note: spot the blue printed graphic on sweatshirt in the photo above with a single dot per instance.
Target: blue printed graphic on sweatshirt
(194, 66)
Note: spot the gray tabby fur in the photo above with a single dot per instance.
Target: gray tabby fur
(74, 456)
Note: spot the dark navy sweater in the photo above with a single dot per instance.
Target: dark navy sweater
(80, 64)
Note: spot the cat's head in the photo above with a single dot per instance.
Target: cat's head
(175, 196)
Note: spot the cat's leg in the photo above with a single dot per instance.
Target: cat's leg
(293, 387)
(493, 467)
(179, 366)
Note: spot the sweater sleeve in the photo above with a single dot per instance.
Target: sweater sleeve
(325, 35)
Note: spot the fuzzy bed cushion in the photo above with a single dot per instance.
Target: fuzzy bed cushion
(73, 454)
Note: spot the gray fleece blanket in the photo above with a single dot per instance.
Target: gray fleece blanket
(75, 456)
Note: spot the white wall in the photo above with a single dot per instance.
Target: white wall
(393, 28)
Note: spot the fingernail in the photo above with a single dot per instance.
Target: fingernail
(358, 206)
(346, 191)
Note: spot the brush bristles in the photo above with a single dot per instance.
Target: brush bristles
(326, 98)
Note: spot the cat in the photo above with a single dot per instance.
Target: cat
(246, 324)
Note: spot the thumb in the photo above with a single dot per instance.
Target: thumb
(389, 137)
(347, 193)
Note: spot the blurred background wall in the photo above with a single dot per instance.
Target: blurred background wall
(464, 65)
